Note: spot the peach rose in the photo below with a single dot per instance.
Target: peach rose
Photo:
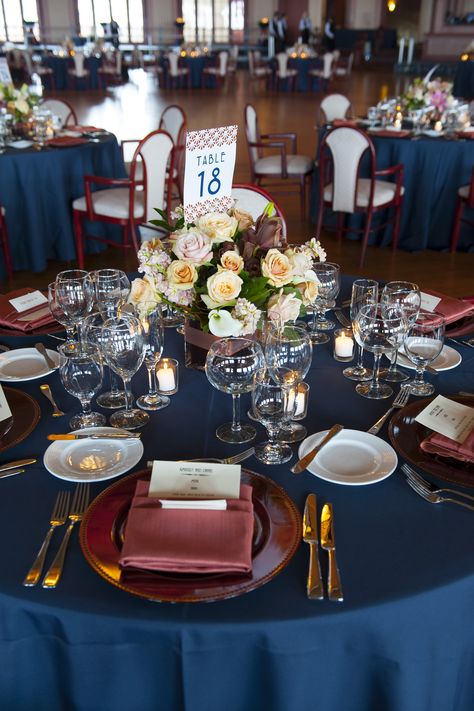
(276, 268)
(223, 286)
(244, 219)
(232, 261)
(142, 291)
(181, 274)
(283, 307)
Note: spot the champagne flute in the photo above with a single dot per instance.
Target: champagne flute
(407, 296)
(58, 313)
(150, 315)
(93, 332)
(80, 370)
(329, 284)
(74, 293)
(231, 366)
(423, 343)
(124, 350)
(364, 291)
(274, 405)
(379, 329)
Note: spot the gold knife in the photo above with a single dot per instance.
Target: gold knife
(328, 543)
(314, 586)
(308, 458)
(16, 464)
(86, 435)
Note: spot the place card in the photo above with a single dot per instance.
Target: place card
(448, 418)
(429, 302)
(28, 301)
(209, 171)
(35, 315)
(5, 411)
(193, 504)
(194, 480)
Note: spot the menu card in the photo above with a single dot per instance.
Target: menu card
(194, 480)
(28, 301)
(5, 411)
(448, 418)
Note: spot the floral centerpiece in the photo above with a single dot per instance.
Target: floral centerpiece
(18, 102)
(226, 271)
(436, 94)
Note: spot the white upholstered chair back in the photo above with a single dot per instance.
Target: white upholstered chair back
(347, 146)
(79, 64)
(173, 62)
(155, 151)
(234, 52)
(251, 128)
(223, 59)
(335, 106)
(328, 60)
(172, 120)
(282, 59)
(252, 201)
(118, 62)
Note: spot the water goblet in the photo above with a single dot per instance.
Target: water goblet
(406, 295)
(93, 332)
(274, 405)
(423, 343)
(80, 370)
(124, 350)
(379, 329)
(150, 315)
(372, 115)
(329, 284)
(58, 313)
(74, 293)
(111, 289)
(364, 291)
(231, 366)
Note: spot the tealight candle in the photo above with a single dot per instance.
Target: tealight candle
(397, 123)
(167, 376)
(343, 345)
(438, 126)
(300, 394)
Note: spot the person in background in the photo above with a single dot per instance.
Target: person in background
(114, 33)
(283, 29)
(305, 28)
(329, 39)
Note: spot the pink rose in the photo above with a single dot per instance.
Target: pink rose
(283, 307)
(193, 246)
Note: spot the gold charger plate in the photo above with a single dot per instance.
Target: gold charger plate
(26, 414)
(277, 535)
(406, 436)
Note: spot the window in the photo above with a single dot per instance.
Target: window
(13, 16)
(128, 14)
(213, 20)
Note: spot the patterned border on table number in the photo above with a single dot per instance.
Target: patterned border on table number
(192, 212)
(211, 137)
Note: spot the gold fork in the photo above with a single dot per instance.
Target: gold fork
(58, 518)
(79, 505)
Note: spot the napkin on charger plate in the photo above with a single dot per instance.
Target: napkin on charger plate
(338, 122)
(25, 320)
(454, 310)
(188, 540)
(390, 133)
(445, 447)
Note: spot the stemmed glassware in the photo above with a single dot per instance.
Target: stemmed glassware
(124, 350)
(74, 294)
(111, 289)
(150, 316)
(329, 279)
(406, 295)
(364, 291)
(423, 343)
(231, 366)
(80, 370)
(288, 355)
(58, 313)
(273, 405)
(93, 332)
(379, 329)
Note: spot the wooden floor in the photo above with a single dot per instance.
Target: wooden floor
(132, 110)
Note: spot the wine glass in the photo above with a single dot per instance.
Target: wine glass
(288, 355)
(124, 350)
(423, 343)
(379, 329)
(407, 296)
(93, 332)
(329, 283)
(274, 405)
(111, 289)
(80, 370)
(364, 291)
(150, 315)
(58, 313)
(74, 293)
(231, 366)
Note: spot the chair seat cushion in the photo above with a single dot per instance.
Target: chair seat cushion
(464, 192)
(289, 73)
(384, 192)
(112, 203)
(262, 71)
(139, 170)
(296, 164)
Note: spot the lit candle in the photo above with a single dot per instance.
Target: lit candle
(397, 124)
(438, 126)
(300, 403)
(166, 379)
(344, 346)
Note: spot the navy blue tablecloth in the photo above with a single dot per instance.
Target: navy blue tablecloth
(402, 640)
(304, 81)
(60, 67)
(37, 190)
(463, 86)
(434, 169)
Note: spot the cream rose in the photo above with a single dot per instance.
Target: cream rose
(142, 291)
(244, 219)
(232, 261)
(193, 246)
(308, 291)
(276, 268)
(181, 275)
(283, 307)
(223, 287)
(300, 260)
(21, 105)
(218, 226)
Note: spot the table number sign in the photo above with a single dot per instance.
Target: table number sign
(5, 411)
(28, 301)
(5, 76)
(210, 161)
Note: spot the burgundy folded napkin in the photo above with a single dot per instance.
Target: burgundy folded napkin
(66, 141)
(344, 122)
(80, 128)
(188, 541)
(10, 318)
(450, 308)
(445, 447)
(390, 134)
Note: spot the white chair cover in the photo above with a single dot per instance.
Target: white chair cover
(347, 147)
(335, 106)
(252, 130)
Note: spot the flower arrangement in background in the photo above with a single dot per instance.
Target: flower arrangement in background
(18, 102)
(436, 94)
(227, 270)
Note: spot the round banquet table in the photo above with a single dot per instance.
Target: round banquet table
(463, 86)
(434, 169)
(61, 65)
(37, 189)
(402, 639)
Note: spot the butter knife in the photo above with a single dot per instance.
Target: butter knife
(86, 435)
(49, 361)
(329, 544)
(403, 360)
(10, 472)
(314, 586)
(308, 458)
(16, 464)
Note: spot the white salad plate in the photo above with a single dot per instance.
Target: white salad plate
(448, 358)
(23, 364)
